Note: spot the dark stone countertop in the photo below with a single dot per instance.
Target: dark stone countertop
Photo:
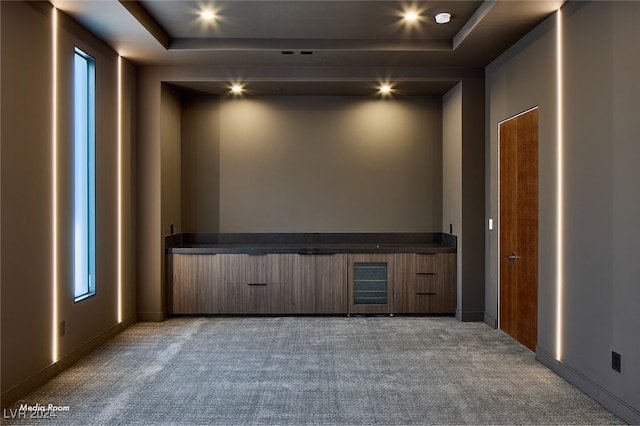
(309, 244)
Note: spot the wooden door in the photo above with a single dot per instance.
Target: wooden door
(518, 313)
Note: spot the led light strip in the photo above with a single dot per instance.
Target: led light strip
(54, 186)
(559, 190)
(119, 136)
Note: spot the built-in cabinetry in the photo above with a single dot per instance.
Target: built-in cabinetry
(286, 283)
(425, 282)
(190, 287)
(256, 284)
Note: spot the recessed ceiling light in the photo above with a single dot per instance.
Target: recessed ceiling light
(410, 16)
(443, 18)
(237, 89)
(385, 89)
(207, 14)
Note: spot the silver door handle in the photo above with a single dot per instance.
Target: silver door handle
(513, 257)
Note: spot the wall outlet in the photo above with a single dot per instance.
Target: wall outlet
(615, 361)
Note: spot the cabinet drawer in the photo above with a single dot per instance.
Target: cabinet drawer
(255, 269)
(418, 282)
(425, 283)
(425, 303)
(422, 263)
(256, 284)
(257, 298)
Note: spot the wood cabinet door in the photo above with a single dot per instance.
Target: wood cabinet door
(330, 283)
(370, 283)
(425, 283)
(210, 287)
(182, 285)
(273, 295)
(257, 284)
(266, 298)
(319, 284)
(196, 286)
(303, 286)
(234, 282)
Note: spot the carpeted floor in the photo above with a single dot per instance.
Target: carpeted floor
(313, 370)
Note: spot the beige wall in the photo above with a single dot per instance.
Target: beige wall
(28, 197)
(463, 190)
(471, 248)
(129, 193)
(323, 164)
(149, 232)
(26, 193)
(600, 199)
(451, 159)
(452, 174)
(170, 134)
(200, 167)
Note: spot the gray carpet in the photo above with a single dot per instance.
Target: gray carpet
(309, 370)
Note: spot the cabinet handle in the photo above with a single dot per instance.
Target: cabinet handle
(425, 292)
(256, 283)
(425, 273)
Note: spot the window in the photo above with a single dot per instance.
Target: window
(84, 176)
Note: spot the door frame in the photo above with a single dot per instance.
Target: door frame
(499, 224)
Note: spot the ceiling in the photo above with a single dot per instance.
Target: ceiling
(312, 47)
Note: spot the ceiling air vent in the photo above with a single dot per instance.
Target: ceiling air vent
(287, 52)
